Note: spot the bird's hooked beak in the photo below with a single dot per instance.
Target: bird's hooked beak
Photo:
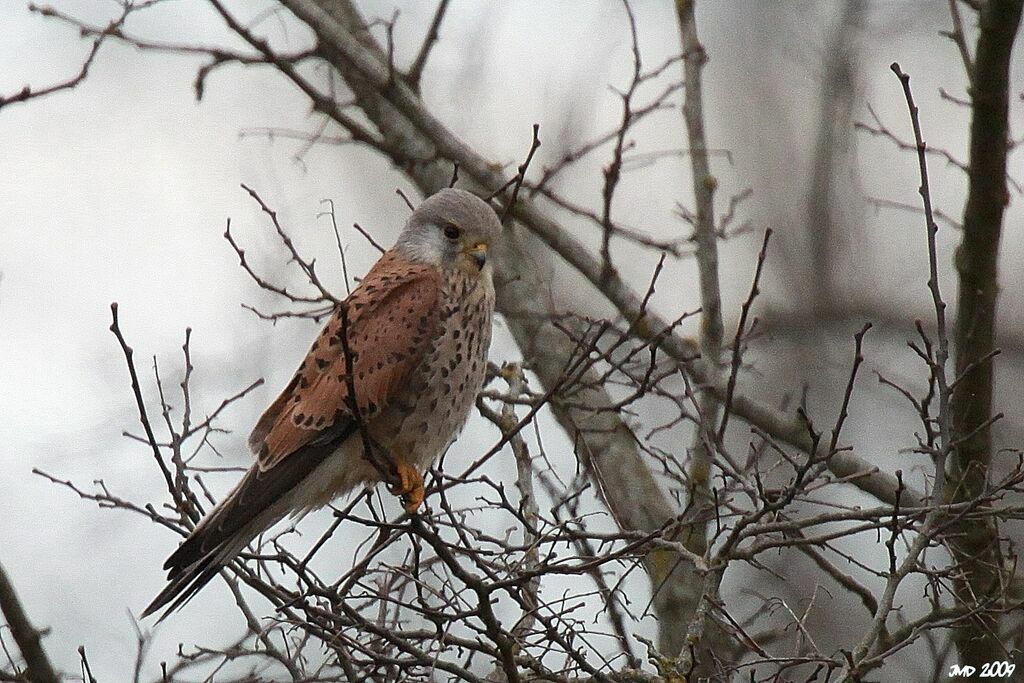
(478, 252)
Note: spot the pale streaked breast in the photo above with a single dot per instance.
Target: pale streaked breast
(451, 373)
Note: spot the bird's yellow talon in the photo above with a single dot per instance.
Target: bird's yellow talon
(409, 487)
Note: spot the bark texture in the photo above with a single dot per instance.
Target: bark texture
(977, 543)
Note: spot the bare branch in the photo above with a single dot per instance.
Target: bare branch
(711, 330)
(942, 350)
(28, 93)
(416, 69)
(978, 544)
(40, 670)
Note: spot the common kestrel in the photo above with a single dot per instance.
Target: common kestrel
(397, 366)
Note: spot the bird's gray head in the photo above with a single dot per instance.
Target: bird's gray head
(451, 229)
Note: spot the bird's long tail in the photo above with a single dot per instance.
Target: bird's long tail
(259, 500)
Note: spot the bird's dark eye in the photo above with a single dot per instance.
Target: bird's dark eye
(451, 231)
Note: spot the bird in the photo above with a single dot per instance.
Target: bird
(390, 379)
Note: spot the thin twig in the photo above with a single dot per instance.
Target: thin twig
(416, 69)
(942, 348)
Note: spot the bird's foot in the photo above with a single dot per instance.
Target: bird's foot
(409, 487)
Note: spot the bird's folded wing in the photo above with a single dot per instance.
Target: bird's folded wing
(391, 319)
